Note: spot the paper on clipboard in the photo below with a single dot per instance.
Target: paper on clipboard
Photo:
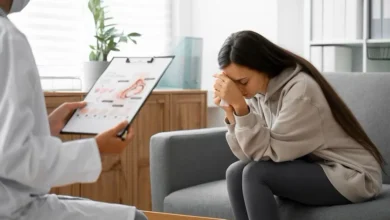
(118, 94)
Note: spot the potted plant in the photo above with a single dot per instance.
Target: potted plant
(107, 38)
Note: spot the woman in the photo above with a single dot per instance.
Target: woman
(295, 138)
(32, 157)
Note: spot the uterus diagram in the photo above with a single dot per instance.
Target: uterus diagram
(134, 89)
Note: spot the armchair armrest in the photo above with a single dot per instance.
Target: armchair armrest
(180, 159)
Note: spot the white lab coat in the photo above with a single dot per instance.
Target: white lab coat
(31, 160)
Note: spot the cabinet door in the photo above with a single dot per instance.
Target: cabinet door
(188, 111)
(153, 118)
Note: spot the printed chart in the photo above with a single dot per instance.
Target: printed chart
(118, 94)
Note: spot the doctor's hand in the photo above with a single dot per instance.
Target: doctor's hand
(109, 143)
(59, 117)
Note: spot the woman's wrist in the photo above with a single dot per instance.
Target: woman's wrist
(241, 109)
(229, 117)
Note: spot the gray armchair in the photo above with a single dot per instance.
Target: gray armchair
(188, 167)
(188, 161)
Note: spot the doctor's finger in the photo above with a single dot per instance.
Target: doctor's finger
(119, 127)
(130, 135)
(76, 105)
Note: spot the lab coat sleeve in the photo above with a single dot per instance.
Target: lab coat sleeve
(35, 159)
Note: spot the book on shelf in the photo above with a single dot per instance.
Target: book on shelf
(386, 19)
(317, 21)
(354, 19)
(375, 19)
(328, 19)
(337, 20)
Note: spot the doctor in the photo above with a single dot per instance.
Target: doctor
(32, 158)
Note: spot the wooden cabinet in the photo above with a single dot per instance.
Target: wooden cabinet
(187, 111)
(125, 179)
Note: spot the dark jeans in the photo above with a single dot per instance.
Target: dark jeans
(252, 187)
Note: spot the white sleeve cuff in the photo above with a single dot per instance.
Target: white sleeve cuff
(89, 163)
(95, 161)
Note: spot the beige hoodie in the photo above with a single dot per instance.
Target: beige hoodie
(292, 120)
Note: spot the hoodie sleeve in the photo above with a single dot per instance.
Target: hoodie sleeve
(296, 132)
(233, 143)
(34, 158)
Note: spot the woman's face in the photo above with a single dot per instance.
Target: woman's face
(249, 81)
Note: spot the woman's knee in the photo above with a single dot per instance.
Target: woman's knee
(234, 171)
(140, 215)
(260, 171)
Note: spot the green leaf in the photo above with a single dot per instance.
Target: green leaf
(96, 16)
(112, 37)
(134, 34)
(135, 42)
(111, 44)
(115, 49)
(92, 47)
(109, 32)
(101, 57)
(92, 56)
(101, 19)
(100, 39)
(109, 18)
(90, 7)
(109, 25)
(117, 35)
(123, 39)
(96, 2)
(108, 38)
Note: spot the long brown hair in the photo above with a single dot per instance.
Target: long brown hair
(250, 49)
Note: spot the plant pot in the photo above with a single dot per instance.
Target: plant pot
(92, 71)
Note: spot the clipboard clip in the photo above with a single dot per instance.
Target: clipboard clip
(139, 60)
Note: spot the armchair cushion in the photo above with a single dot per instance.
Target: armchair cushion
(211, 199)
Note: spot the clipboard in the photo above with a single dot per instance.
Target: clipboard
(118, 94)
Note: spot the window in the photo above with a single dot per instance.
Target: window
(61, 31)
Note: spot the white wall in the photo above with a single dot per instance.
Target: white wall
(182, 18)
(214, 21)
(280, 21)
(290, 28)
